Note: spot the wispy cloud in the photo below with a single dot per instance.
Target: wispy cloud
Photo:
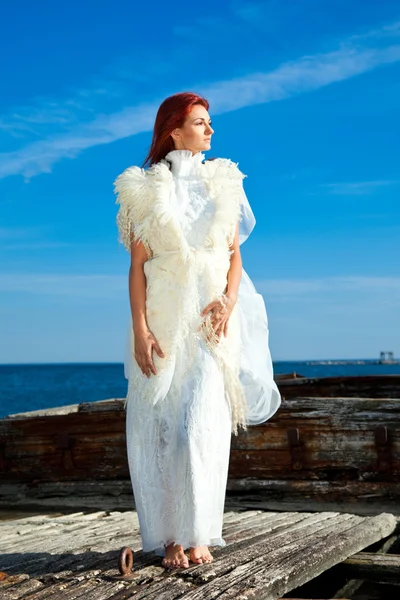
(358, 188)
(315, 317)
(54, 284)
(359, 289)
(305, 74)
(22, 246)
(347, 283)
(104, 285)
(296, 77)
(40, 156)
(28, 238)
(11, 234)
(392, 30)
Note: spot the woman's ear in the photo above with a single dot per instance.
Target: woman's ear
(175, 134)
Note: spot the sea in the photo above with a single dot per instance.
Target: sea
(27, 387)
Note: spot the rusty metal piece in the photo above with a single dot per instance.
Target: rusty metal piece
(295, 447)
(382, 445)
(125, 561)
(66, 443)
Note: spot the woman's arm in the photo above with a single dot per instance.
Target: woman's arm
(235, 269)
(137, 286)
(145, 341)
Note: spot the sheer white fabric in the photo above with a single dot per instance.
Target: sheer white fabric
(178, 449)
(256, 372)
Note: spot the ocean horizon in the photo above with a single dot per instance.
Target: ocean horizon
(34, 386)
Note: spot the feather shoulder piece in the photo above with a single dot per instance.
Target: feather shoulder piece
(225, 182)
(223, 168)
(134, 199)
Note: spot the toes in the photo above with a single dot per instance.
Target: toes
(185, 564)
(204, 555)
(173, 563)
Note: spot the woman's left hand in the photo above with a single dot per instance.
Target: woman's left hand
(221, 311)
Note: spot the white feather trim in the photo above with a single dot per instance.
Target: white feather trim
(133, 196)
(172, 297)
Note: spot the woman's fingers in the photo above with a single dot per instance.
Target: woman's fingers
(220, 313)
(144, 353)
(220, 329)
(209, 307)
(143, 364)
(158, 349)
(226, 328)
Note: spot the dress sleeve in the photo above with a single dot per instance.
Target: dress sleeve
(247, 219)
(133, 197)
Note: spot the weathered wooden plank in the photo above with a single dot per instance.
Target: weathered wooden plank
(362, 497)
(295, 528)
(337, 442)
(266, 523)
(383, 568)
(20, 581)
(352, 585)
(356, 489)
(368, 386)
(347, 496)
(162, 588)
(266, 572)
(282, 539)
(109, 404)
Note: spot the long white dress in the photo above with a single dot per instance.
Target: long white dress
(178, 449)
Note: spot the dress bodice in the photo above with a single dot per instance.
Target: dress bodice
(168, 208)
(190, 197)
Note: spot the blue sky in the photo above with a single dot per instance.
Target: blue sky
(304, 95)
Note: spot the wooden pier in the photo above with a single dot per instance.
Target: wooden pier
(311, 511)
(267, 555)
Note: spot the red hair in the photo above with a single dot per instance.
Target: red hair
(172, 113)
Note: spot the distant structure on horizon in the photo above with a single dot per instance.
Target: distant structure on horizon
(387, 358)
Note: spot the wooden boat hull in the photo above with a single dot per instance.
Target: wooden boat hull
(324, 448)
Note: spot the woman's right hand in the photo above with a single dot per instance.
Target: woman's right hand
(145, 341)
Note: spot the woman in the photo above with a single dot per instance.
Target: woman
(197, 358)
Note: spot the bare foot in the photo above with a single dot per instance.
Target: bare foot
(200, 555)
(175, 557)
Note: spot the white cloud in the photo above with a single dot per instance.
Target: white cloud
(341, 317)
(54, 284)
(294, 77)
(387, 31)
(28, 238)
(331, 287)
(337, 317)
(12, 234)
(358, 188)
(40, 156)
(102, 285)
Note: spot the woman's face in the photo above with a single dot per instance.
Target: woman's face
(196, 132)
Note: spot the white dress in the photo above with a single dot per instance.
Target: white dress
(178, 449)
